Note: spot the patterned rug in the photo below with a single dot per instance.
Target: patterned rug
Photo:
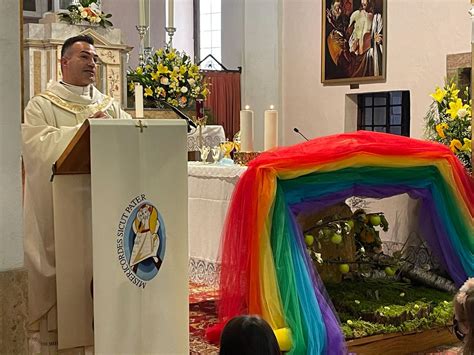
(202, 314)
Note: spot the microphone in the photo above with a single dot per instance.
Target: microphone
(180, 114)
(301, 134)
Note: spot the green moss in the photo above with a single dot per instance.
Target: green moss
(381, 306)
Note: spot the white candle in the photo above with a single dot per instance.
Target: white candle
(138, 101)
(246, 130)
(271, 129)
(170, 13)
(141, 12)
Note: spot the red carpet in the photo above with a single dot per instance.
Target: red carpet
(202, 314)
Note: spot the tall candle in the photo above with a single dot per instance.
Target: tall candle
(138, 101)
(170, 13)
(271, 129)
(246, 130)
(141, 12)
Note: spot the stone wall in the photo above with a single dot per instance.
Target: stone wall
(13, 311)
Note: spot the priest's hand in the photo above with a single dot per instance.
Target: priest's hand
(99, 114)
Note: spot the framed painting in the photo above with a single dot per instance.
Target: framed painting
(353, 43)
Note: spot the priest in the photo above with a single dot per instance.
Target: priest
(51, 120)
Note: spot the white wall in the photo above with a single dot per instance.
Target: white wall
(419, 35)
(11, 250)
(183, 39)
(261, 78)
(232, 33)
(125, 17)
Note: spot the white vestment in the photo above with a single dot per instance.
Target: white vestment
(51, 120)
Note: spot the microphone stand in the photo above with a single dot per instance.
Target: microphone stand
(180, 114)
(301, 134)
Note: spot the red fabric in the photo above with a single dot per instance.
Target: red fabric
(224, 100)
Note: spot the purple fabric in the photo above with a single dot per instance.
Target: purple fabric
(335, 343)
(430, 222)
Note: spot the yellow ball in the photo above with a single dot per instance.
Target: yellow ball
(283, 336)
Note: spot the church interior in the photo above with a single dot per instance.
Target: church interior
(308, 162)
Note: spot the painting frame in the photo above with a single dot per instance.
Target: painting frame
(353, 42)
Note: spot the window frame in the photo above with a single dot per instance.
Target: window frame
(197, 33)
(363, 106)
(42, 6)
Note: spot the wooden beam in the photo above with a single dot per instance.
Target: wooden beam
(399, 343)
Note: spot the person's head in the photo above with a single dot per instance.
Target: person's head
(78, 60)
(336, 8)
(464, 314)
(248, 335)
(367, 5)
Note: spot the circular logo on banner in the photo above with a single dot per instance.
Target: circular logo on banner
(141, 241)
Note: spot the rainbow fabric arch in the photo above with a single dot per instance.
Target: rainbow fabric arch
(265, 269)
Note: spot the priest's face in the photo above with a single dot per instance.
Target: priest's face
(78, 64)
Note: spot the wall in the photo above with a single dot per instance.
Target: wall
(11, 252)
(184, 22)
(232, 33)
(261, 78)
(13, 285)
(125, 17)
(419, 36)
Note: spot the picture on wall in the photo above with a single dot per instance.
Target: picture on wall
(353, 41)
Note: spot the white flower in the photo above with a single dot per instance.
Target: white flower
(462, 113)
(318, 257)
(164, 80)
(97, 19)
(184, 89)
(362, 250)
(84, 14)
(356, 301)
(95, 8)
(191, 81)
(402, 294)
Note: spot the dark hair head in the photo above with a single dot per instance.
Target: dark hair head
(70, 41)
(247, 335)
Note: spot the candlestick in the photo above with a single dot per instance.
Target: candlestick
(142, 30)
(271, 129)
(246, 130)
(170, 31)
(138, 100)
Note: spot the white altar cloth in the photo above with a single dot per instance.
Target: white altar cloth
(212, 135)
(210, 188)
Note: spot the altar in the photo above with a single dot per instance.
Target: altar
(212, 135)
(210, 189)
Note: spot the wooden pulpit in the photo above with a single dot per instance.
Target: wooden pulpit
(120, 223)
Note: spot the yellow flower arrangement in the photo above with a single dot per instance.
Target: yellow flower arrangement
(169, 75)
(448, 122)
